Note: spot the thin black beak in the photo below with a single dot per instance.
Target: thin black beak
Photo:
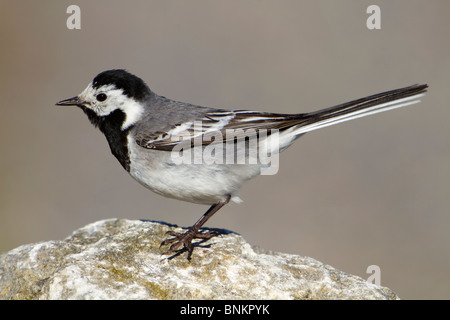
(75, 101)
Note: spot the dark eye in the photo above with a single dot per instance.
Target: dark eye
(101, 97)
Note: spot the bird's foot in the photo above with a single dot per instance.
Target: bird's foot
(185, 239)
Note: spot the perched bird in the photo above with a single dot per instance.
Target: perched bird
(149, 134)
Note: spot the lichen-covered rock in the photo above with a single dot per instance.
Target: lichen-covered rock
(121, 259)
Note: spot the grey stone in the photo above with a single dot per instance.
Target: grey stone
(121, 259)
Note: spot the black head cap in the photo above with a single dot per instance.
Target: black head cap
(134, 87)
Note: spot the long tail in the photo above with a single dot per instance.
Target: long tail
(362, 107)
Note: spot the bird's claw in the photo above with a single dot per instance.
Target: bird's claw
(185, 239)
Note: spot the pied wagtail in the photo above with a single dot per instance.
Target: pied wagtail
(140, 127)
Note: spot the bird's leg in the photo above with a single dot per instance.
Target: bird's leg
(193, 232)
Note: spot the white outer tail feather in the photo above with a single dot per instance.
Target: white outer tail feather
(403, 102)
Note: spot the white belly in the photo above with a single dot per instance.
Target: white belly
(198, 183)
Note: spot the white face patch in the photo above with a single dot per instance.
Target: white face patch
(133, 111)
(115, 99)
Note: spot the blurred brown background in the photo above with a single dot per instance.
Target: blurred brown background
(375, 191)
